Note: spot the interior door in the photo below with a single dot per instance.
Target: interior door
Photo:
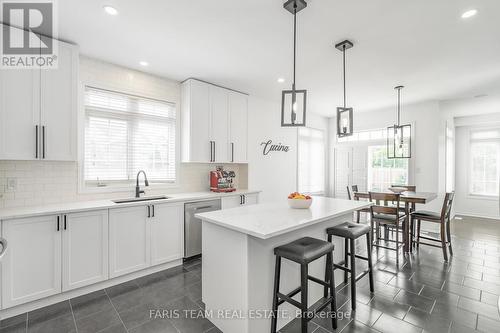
(238, 128)
(58, 97)
(219, 128)
(85, 248)
(343, 171)
(31, 267)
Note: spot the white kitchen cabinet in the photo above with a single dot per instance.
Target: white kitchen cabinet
(167, 232)
(58, 106)
(239, 200)
(31, 267)
(219, 124)
(209, 114)
(238, 127)
(38, 110)
(129, 240)
(195, 119)
(84, 248)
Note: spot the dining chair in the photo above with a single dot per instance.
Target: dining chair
(443, 219)
(387, 216)
(351, 196)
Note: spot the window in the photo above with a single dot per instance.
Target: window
(311, 166)
(484, 162)
(360, 136)
(384, 172)
(124, 134)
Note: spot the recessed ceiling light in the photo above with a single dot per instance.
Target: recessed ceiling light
(110, 10)
(144, 63)
(281, 80)
(469, 13)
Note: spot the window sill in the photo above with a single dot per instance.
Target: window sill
(482, 197)
(126, 188)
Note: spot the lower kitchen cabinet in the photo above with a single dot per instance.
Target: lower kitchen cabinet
(239, 200)
(129, 239)
(31, 267)
(144, 236)
(85, 248)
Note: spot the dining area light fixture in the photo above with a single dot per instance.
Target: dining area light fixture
(344, 114)
(399, 136)
(293, 102)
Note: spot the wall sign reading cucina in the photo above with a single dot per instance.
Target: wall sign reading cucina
(268, 147)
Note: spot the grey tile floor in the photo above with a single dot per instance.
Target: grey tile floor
(423, 294)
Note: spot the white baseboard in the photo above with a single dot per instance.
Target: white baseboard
(479, 216)
(19, 309)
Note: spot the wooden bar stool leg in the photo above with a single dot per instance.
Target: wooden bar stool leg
(397, 244)
(443, 241)
(346, 258)
(303, 296)
(277, 273)
(328, 270)
(333, 303)
(448, 233)
(418, 234)
(369, 256)
(353, 274)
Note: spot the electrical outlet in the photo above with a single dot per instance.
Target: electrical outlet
(11, 184)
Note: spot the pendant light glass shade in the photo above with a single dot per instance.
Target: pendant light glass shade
(344, 114)
(399, 136)
(293, 102)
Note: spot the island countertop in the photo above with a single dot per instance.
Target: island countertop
(272, 219)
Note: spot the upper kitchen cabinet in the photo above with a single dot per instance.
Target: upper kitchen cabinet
(214, 123)
(38, 110)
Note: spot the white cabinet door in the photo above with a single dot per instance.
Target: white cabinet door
(19, 114)
(58, 100)
(196, 121)
(167, 233)
(219, 123)
(129, 240)
(85, 248)
(31, 267)
(238, 128)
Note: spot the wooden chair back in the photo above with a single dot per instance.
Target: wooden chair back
(376, 208)
(448, 202)
(349, 195)
(410, 188)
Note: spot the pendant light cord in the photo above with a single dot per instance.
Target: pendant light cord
(399, 107)
(294, 42)
(343, 56)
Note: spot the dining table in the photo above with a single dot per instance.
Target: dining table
(410, 199)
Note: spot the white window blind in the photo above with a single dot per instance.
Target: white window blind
(125, 134)
(484, 162)
(311, 166)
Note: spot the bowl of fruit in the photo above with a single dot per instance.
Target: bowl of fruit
(299, 201)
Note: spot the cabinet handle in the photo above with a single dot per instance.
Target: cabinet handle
(232, 151)
(244, 199)
(212, 151)
(58, 224)
(215, 155)
(36, 141)
(43, 142)
(149, 211)
(153, 215)
(65, 221)
(241, 200)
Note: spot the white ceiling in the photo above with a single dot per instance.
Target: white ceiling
(247, 45)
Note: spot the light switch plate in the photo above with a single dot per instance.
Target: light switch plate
(11, 184)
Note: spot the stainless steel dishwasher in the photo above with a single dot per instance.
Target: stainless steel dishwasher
(192, 225)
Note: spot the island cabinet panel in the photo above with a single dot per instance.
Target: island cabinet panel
(129, 239)
(167, 233)
(239, 200)
(85, 248)
(31, 267)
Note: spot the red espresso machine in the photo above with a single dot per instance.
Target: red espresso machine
(221, 180)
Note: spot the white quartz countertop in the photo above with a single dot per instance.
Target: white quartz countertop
(68, 207)
(272, 219)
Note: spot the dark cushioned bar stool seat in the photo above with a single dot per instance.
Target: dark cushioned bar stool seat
(303, 251)
(425, 214)
(350, 232)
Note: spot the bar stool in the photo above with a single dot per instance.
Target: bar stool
(303, 251)
(350, 232)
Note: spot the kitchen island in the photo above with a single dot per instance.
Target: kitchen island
(238, 259)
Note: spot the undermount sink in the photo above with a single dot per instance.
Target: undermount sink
(128, 200)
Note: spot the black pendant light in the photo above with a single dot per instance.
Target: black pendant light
(344, 114)
(293, 102)
(399, 136)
